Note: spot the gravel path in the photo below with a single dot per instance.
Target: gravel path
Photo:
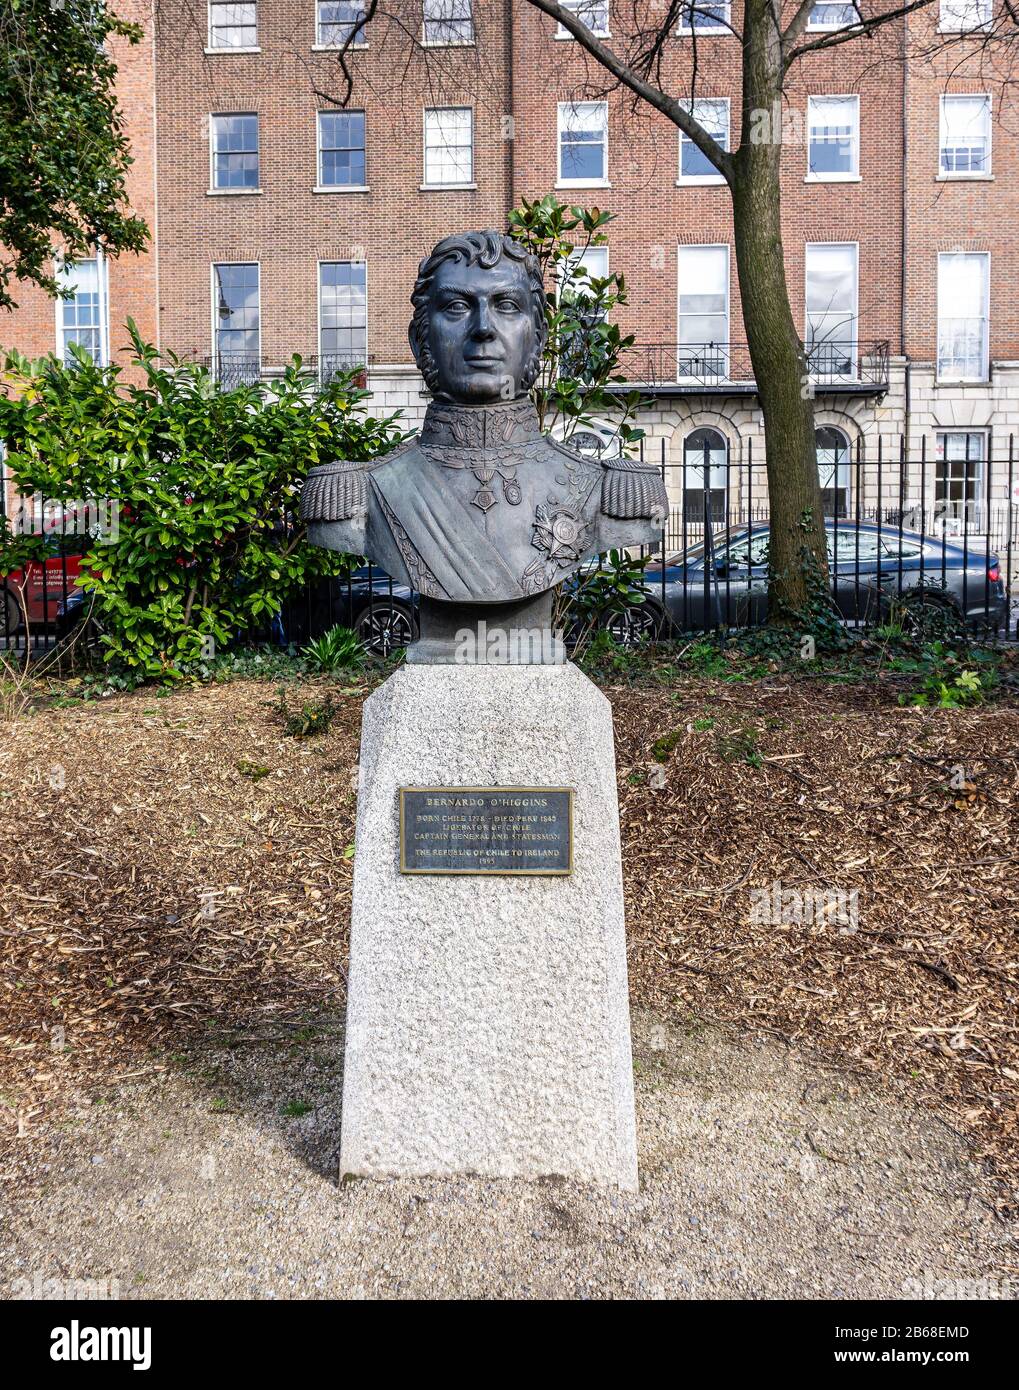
(763, 1175)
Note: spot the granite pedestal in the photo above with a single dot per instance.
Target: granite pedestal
(487, 1020)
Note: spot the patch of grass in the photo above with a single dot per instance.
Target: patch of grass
(702, 725)
(294, 1109)
(740, 746)
(255, 771)
(661, 749)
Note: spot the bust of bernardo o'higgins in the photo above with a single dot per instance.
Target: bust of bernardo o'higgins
(481, 507)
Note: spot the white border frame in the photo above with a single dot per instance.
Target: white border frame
(580, 183)
(448, 43)
(813, 28)
(321, 187)
(840, 429)
(233, 192)
(682, 246)
(702, 31)
(830, 376)
(212, 48)
(984, 431)
(854, 175)
(702, 180)
(103, 280)
(940, 380)
(606, 33)
(335, 260)
(214, 357)
(319, 47)
(987, 174)
(425, 186)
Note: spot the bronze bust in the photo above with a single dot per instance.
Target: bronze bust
(481, 508)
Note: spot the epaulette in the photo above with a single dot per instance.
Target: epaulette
(338, 491)
(631, 490)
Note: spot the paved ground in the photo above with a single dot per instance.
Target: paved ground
(763, 1174)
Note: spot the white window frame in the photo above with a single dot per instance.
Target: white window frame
(425, 185)
(715, 471)
(722, 375)
(831, 27)
(948, 175)
(954, 24)
(985, 316)
(211, 47)
(332, 260)
(577, 5)
(321, 186)
(446, 43)
(319, 47)
(853, 175)
(562, 182)
(855, 345)
(102, 279)
(214, 311)
(239, 190)
(703, 180)
(723, 26)
(978, 475)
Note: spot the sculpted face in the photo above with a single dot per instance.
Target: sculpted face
(481, 330)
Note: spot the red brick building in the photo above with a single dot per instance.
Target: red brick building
(284, 221)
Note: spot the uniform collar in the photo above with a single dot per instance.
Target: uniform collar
(448, 425)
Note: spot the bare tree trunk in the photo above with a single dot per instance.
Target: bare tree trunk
(780, 370)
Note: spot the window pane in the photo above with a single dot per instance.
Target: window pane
(449, 146)
(341, 147)
(962, 316)
(232, 26)
(965, 14)
(965, 134)
(833, 134)
(705, 15)
(448, 21)
(703, 311)
(337, 20)
(81, 317)
(713, 114)
(831, 308)
(236, 309)
(343, 315)
(235, 151)
(582, 140)
(960, 466)
(833, 16)
(593, 13)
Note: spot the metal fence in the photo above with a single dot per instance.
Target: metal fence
(937, 530)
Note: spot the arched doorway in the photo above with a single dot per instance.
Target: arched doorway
(833, 462)
(705, 468)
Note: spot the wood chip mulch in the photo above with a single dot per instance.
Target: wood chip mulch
(179, 865)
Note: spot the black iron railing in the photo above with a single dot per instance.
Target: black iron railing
(716, 367)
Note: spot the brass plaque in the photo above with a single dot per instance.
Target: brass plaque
(486, 830)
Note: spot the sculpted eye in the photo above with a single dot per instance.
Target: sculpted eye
(507, 305)
(456, 306)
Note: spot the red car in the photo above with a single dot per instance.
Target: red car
(42, 584)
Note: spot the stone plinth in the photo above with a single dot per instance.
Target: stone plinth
(487, 1021)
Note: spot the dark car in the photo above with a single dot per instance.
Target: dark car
(382, 612)
(871, 568)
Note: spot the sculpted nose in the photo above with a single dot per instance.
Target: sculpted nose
(483, 322)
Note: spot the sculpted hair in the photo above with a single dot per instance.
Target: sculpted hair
(485, 249)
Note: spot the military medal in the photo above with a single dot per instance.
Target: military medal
(511, 489)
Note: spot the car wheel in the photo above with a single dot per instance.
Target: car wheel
(386, 626)
(925, 616)
(10, 613)
(639, 622)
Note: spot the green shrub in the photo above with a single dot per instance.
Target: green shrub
(204, 482)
